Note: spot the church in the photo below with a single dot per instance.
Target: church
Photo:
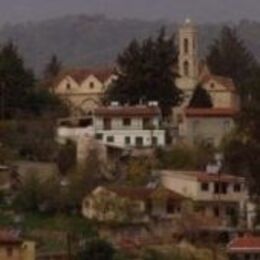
(83, 90)
(202, 124)
(194, 71)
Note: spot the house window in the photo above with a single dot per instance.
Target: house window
(216, 211)
(91, 84)
(204, 186)
(85, 122)
(147, 124)
(237, 187)
(170, 207)
(216, 187)
(110, 139)
(224, 187)
(127, 140)
(139, 141)
(186, 46)
(99, 136)
(212, 85)
(68, 86)
(154, 141)
(186, 68)
(107, 124)
(126, 121)
(220, 188)
(148, 206)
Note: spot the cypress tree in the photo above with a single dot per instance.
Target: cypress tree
(200, 98)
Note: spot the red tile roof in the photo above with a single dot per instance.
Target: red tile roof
(247, 243)
(143, 193)
(210, 112)
(228, 83)
(79, 75)
(206, 177)
(9, 237)
(146, 111)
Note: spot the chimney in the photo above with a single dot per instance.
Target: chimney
(153, 104)
(114, 104)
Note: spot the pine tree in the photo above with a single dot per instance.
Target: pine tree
(145, 73)
(200, 98)
(53, 68)
(229, 57)
(51, 71)
(16, 81)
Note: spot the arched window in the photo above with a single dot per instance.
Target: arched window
(186, 46)
(186, 68)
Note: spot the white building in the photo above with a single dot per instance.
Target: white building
(129, 126)
(220, 195)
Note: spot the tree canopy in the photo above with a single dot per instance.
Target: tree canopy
(200, 98)
(53, 67)
(20, 92)
(145, 73)
(97, 249)
(242, 149)
(17, 82)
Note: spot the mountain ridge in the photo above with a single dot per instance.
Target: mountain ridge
(87, 41)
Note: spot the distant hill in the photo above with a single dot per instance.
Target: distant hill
(96, 40)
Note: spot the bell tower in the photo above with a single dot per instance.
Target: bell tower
(188, 50)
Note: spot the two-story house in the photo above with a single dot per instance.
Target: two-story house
(129, 126)
(220, 195)
(131, 204)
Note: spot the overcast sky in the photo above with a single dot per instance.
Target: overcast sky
(13, 11)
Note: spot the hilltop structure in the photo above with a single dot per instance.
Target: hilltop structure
(82, 89)
(194, 71)
(202, 124)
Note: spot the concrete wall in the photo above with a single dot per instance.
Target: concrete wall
(210, 129)
(180, 183)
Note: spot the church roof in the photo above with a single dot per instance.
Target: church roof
(224, 81)
(138, 110)
(79, 75)
(210, 112)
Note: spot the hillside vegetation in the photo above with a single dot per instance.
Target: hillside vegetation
(96, 40)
